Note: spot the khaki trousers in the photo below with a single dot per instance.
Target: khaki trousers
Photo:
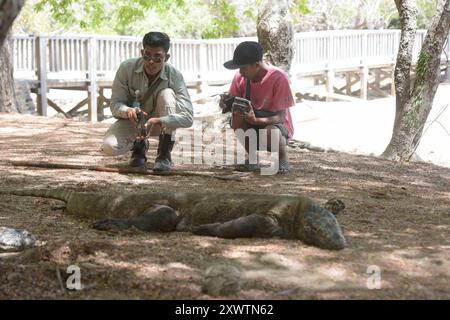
(120, 136)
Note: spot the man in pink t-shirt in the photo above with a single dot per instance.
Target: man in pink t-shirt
(267, 88)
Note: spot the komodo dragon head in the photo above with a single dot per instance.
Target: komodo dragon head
(319, 227)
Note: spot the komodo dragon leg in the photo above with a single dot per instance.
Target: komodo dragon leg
(156, 218)
(253, 225)
(111, 224)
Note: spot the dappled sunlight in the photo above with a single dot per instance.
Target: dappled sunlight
(176, 270)
(408, 264)
(335, 272)
(294, 267)
(294, 272)
(202, 242)
(142, 241)
(343, 169)
(280, 261)
(105, 261)
(395, 217)
(178, 265)
(148, 271)
(362, 235)
(20, 132)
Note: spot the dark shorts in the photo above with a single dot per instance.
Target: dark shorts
(265, 114)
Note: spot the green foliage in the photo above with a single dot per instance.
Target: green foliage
(224, 22)
(97, 15)
(194, 18)
(299, 10)
(63, 11)
(179, 22)
(411, 115)
(250, 13)
(422, 63)
(389, 14)
(186, 18)
(426, 12)
(29, 21)
(300, 7)
(421, 70)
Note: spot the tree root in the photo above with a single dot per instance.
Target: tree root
(306, 145)
(124, 170)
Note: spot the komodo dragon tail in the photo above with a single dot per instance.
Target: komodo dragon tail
(60, 194)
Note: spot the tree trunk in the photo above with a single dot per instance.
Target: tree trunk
(7, 92)
(9, 9)
(275, 32)
(413, 106)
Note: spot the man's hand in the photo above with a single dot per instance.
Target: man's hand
(250, 117)
(151, 122)
(222, 104)
(132, 115)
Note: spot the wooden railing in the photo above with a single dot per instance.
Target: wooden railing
(324, 50)
(202, 60)
(92, 58)
(70, 56)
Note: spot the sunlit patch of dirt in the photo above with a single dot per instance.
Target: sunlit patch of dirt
(396, 219)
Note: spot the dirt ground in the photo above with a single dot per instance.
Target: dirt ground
(397, 221)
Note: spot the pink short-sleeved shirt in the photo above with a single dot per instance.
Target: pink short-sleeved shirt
(272, 93)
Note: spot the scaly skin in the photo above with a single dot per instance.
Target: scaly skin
(229, 215)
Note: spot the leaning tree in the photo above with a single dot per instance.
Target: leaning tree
(275, 32)
(415, 99)
(9, 10)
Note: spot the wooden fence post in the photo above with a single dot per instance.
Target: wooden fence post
(330, 50)
(41, 73)
(364, 75)
(203, 60)
(93, 86)
(364, 50)
(330, 83)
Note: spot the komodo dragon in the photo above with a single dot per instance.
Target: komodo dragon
(229, 215)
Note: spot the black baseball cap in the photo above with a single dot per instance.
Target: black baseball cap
(246, 52)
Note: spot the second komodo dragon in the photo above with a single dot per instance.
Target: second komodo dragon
(229, 215)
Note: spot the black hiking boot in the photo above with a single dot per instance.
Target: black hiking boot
(139, 155)
(163, 161)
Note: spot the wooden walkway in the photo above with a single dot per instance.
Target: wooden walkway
(364, 58)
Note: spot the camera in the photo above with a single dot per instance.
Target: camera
(233, 103)
(228, 101)
(240, 105)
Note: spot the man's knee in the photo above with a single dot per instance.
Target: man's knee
(111, 148)
(166, 103)
(118, 138)
(269, 133)
(271, 129)
(108, 149)
(275, 133)
(166, 99)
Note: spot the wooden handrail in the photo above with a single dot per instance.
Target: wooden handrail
(77, 57)
(203, 59)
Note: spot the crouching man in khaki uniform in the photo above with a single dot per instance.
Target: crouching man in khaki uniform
(164, 99)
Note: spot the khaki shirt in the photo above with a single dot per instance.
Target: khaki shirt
(131, 77)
